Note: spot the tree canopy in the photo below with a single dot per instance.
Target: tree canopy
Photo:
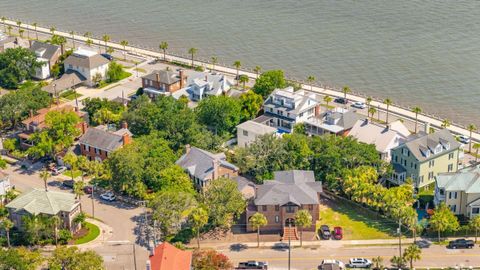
(72, 258)
(19, 259)
(250, 103)
(268, 81)
(221, 114)
(210, 259)
(17, 65)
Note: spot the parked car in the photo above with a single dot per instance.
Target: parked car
(253, 265)
(464, 139)
(359, 263)
(337, 233)
(359, 105)
(331, 264)
(68, 183)
(461, 243)
(341, 100)
(108, 56)
(59, 170)
(325, 232)
(108, 196)
(88, 189)
(280, 246)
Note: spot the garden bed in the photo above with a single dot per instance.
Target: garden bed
(88, 233)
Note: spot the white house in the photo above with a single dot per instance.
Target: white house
(4, 184)
(88, 64)
(203, 84)
(48, 55)
(248, 132)
(287, 107)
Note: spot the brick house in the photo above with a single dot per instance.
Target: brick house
(203, 166)
(98, 142)
(280, 199)
(163, 82)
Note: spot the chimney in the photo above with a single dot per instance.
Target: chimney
(84, 127)
(182, 78)
(126, 138)
(317, 110)
(215, 164)
(157, 75)
(125, 125)
(187, 148)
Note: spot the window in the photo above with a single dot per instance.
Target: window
(405, 151)
(264, 208)
(245, 133)
(475, 210)
(301, 114)
(277, 219)
(290, 209)
(421, 179)
(310, 207)
(431, 163)
(396, 159)
(97, 151)
(405, 163)
(450, 167)
(442, 191)
(415, 166)
(277, 208)
(430, 175)
(411, 164)
(450, 156)
(270, 109)
(452, 195)
(453, 208)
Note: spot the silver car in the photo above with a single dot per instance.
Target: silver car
(359, 263)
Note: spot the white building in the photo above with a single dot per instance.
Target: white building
(4, 184)
(88, 64)
(287, 107)
(249, 131)
(48, 55)
(200, 85)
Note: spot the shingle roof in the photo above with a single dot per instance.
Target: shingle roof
(168, 257)
(298, 187)
(39, 201)
(102, 139)
(303, 101)
(418, 144)
(217, 83)
(49, 49)
(68, 80)
(165, 76)
(257, 128)
(467, 180)
(199, 163)
(89, 62)
(382, 137)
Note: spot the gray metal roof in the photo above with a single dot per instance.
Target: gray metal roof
(419, 144)
(39, 201)
(256, 127)
(164, 76)
(467, 180)
(199, 162)
(295, 186)
(49, 49)
(89, 62)
(102, 139)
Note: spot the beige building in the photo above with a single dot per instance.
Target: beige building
(460, 191)
(249, 131)
(423, 156)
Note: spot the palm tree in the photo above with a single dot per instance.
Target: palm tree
(345, 91)
(237, 64)
(416, 110)
(35, 29)
(56, 222)
(256, 221)
(78, 189)
(164, 46)
(52, 30)
(89, 42)
(4, 24)
(20, 32)
(311, 79)
(378, 262)
(257, 70)
(304, 220)
(124, 43)
(198, 218)
(372, 111)
(471, 128)
(446, 123)
(19, 23)
(243, 80)
(106, 38)
(192, 51)
(387, 102)
(45, 174)
(9, 28)
(477, 148)
(6, 225)
(72, 33)
(368, 101)
(327, 100)
(412, 253)
(214, 60)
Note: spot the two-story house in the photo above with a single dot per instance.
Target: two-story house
(460, 191)
(423, 156)
(203, 166)
(98, 142)
(48, 55)
(163, 82)
(87, 63)
(338, 121)
(280, 199)
(288, 107)
(249, 131)
(204, 84)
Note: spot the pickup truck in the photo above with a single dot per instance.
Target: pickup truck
(461, 243)
(253, 265)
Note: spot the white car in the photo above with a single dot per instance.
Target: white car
(108, 196)
(332, 262)
(359, 263)
(59, 170)
(464, 139)
(359, 105)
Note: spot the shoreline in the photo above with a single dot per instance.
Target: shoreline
(394, 109)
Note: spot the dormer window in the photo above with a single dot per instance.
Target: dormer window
(438, 149)
(405, 151)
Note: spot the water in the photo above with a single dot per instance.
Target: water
(417, 52)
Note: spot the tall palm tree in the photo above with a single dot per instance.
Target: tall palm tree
(35, 29)
(52, 30)
(372, 111)
(416, 110)
(311, 79)
(237, 64)
(257, 70)
(192, 51)
(78, 189)
(9, 28)
(243, 80)
(471, 128)
(45, 174)
(55, 220)
(387, 102)
(106, 38)
(446, 123)
(89, 42)
(19, 23)
(124, 43)
(257, 221)
(377, 261)
(412, 253)
(164, 47)
(20, 32)
(477, 148)
(214, 61)
(72, 33)
(368, 100)
(4, 24)
(345, 91)
(6, 225)
(327, 100)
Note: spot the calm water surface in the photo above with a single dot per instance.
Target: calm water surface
(417, 52)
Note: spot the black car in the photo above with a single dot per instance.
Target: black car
(325, 232)
(341, 100)
(253, 265)
(68, 183)
(461, 243)
(108, 56)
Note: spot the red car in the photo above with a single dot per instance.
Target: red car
(337, 233)
(88, 189)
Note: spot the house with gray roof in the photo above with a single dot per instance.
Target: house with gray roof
(288, 107)
(279, 199)
(99, 142)
(200, 85)
(460, 191)
(338, 122)
(163, 82)
(48, 203)
(46, 53)
(423, 156)
(89, 64)
(203, 166)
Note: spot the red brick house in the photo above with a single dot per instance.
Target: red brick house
(280, 199)
(163, 82)
(98, 142)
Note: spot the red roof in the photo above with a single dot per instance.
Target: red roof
(168, 257)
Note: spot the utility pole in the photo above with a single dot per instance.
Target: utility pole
(93, 204)
(75, 93)
(134, 257)
(289, 243)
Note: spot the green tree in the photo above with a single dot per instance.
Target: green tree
(412, 253)
(62, 128)
(210, 259)
(269, 81)
(72, 34)
(164, 47)
(237, 64)
(105, 116)
(35, 29)
(243, 79)
(311, 79)
(220, 113)
(443, 220)
(368, 100)
(303, 219)
(20, 259)
(45, 174)
(9, 28)
(327, 100)
(476, 146)
(55, 221)
(446, 123)
(251, 104)
(17, 65)
(59, 40)
(78, 189)
(20, 33)
(198, 218)
(52, 30)
(73, 259)
(174, 178)
(387, 102)
(124, 43)
(3, 164)
(214, 61)
(398, 262)
(372, 112)
(471, 128)
(10, 144)
(6, 225)
(416, 110)
(257, 70)
(19, 24)
(105, 39)
(224, 201)
(474, 224)
(257, 221)
(115, 72)
(89, 42)
(4, 24)
(377, 261)
(192, 51)
(93, 105)
(72, 160)
(346, 90)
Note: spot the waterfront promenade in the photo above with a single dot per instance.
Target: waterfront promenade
(133, 50)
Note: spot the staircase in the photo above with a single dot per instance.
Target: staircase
(290, 233)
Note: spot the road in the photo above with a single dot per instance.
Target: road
(310, 258)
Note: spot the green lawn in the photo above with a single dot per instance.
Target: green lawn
(93, 232)
(70, 95)
(357, 223)
(75, 173)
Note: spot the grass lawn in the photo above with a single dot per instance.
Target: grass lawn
(124, 75)
(142, 70)
(93, 232)
(357, 223)
(70, 95)
(75, 173)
